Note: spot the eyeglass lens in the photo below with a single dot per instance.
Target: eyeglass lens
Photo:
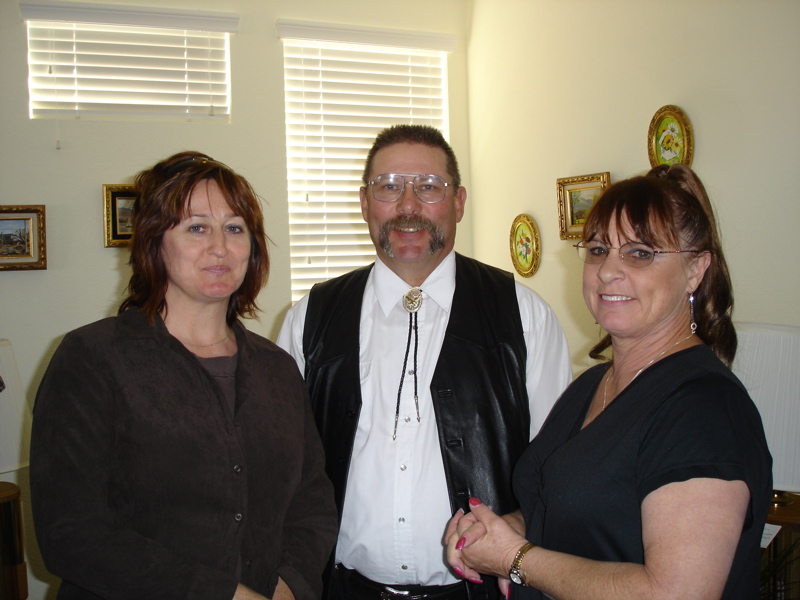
(634, 254)
(389, 187)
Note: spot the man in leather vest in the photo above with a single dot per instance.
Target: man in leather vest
(428, 373)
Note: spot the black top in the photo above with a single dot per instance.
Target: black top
(223, 370)
(685, 417)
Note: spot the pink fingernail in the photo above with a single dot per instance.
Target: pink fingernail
(459, 572)
(460, 543)
(475, 580)
(474, 502)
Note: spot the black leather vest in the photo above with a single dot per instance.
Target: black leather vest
(478, 387)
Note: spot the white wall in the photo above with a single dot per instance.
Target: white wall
(568, 87)
(84, 280)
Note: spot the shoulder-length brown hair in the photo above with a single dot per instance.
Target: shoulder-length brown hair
(669, 208)
(162, 201)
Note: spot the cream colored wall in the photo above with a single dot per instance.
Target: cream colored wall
(556, 88)
(568, 87)
(84, 281)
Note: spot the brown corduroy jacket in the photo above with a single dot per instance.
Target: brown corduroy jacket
(144, 485)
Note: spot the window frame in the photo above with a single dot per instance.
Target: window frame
(102, 61)
(328, 236)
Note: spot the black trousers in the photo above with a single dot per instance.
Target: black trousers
(346, 584)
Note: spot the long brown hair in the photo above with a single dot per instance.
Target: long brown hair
(162, 201)
(669, 207)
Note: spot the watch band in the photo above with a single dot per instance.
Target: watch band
(516, 574)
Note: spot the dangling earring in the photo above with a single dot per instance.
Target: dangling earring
(693, 324)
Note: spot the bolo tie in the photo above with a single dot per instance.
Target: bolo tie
(412, 301)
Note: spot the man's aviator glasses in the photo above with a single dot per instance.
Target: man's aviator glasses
(634, 254)
(428, 188)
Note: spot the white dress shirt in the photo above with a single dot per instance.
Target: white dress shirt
(396, 505)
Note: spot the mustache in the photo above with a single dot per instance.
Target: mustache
(409, 222)
(437, 241)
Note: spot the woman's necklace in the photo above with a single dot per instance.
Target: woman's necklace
(611, 370)
(225, 339)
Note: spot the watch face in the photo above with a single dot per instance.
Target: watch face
(514, 576)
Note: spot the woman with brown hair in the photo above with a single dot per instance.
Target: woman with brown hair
(174, 454)
(651, 477)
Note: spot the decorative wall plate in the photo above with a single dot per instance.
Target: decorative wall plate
(670, 139)
(525, 245)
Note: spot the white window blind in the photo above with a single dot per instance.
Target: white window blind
(98, 69)
(338, 97)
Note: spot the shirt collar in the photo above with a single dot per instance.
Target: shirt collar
(439, 285)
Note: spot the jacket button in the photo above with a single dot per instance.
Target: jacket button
(238, 517)
(351, 413)
(237, 469)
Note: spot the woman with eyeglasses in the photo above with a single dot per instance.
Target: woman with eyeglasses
(174, 454)
(651, 477)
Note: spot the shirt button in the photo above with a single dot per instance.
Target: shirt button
(407, 419)
(238, 517)
(411, 371)
(401, 520)
(403, 467)
(237, 469)
(404, 567)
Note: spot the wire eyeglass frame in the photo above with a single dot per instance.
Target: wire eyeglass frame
(633, 254)
(419, 180)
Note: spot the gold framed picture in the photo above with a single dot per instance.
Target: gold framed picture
(23, 242)
(525, 245)
(117, 213)
(670, 138)
(576, 196)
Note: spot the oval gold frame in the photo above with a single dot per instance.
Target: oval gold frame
(680, 140)
(525, 245)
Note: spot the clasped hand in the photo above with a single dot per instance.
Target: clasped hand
(481, 542)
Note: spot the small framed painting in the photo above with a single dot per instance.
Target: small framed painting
(525, 246)
(117, 212)
(576, 196)
(670, 139)
(23, 243)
